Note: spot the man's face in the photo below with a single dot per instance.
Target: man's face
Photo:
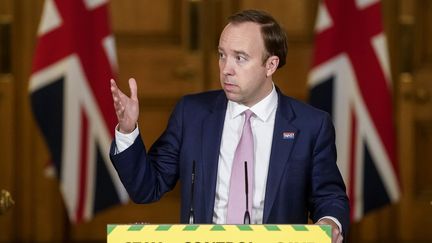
(243, 75)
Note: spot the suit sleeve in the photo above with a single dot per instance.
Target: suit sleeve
(328, 196)
(148, 176)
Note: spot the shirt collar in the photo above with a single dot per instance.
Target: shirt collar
(262, 109)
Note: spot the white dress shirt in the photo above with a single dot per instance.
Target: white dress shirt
(262, 123)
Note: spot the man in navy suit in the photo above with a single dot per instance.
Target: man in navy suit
(295, 172)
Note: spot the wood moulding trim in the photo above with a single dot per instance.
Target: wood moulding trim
(140, 39)
(423, 183)
(172, 36)
(158, 103)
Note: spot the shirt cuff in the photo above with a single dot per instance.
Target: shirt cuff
(334, 220)
(124, 141)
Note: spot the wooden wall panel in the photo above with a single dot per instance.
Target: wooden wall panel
(415, 118)
(43, 216)
(423, 178)
(415, 141)
(48, 219)
(6, 8)
(155, 50)
(296, 17)
(423, 99)
(422, 167)
(165, 211)
(424, 32)
(292, 78)
(7, 120)
(39, 213)
(7, 139)
(160, 71)
(143, 16)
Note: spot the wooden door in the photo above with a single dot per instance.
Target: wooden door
(415, 120)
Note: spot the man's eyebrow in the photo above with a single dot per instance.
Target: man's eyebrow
(243, 53)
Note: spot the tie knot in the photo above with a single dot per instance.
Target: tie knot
(248, 114)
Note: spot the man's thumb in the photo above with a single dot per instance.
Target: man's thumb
(133, 88)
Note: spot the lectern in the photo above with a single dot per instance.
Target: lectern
(210, 233)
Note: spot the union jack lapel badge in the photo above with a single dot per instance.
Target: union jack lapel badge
(288, 135)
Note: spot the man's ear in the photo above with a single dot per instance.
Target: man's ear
(271, 65)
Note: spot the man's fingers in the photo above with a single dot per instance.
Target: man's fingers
(114, 90)
(117, 105)
(133, 88)
(113, 83)
(114, 87)
(116, 98)
(336, 235)
(121, 101)
(119, 109)
(340, 239)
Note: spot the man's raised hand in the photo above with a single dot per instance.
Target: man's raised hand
(126, 108)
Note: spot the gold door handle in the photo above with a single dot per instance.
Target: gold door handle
(6, 201)
(419, 96)
(410, 93)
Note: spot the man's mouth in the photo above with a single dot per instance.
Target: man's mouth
(229, 86)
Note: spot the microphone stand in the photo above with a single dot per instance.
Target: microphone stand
(191, 211)
(246, 219)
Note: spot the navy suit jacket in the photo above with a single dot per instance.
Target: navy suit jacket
(303, 179)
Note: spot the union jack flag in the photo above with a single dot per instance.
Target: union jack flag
(350, 79)
(71, 101)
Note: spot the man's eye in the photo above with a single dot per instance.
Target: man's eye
(221, 55)
(240, 58)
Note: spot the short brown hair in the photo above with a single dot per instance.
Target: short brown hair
(274, 37)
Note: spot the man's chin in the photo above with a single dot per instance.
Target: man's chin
(232, 97)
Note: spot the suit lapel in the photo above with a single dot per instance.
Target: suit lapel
(212, 128)
(284, 137)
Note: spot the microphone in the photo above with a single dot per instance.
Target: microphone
(246, 218)
(191, 211)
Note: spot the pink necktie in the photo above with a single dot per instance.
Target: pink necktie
(237, 191)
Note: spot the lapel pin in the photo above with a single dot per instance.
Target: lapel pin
(288, 135)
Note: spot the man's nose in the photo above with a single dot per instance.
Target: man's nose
(227, 68)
